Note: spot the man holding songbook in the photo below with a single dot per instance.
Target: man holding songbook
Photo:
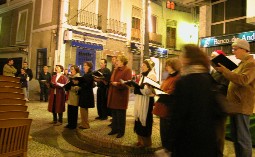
(241, 91)
(102, 77)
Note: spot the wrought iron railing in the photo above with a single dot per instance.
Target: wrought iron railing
(116, 27)
(136, 34)
(89, 19)
(155, 38)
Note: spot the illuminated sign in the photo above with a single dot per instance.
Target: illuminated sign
(170, 5)
(226, 40)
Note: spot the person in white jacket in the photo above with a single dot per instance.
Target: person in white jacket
(143, 106)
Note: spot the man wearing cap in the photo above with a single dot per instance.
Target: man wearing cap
(9, 69)
(241, 91)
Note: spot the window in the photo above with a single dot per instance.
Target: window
(218, 12)
(22, 27)
(88, 5)
(235, 8)
(115, 10)
(217, 29)
(46, 11)
(170, 37)
(238, 26)
(153, 26)
(135, 23)
(41, 60)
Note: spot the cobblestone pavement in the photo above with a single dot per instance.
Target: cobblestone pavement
(56, 141)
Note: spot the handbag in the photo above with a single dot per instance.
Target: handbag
(160, 110)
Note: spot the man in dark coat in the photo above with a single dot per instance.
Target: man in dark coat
(44, 81)
(102, 84)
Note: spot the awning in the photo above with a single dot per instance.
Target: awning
(84, 45)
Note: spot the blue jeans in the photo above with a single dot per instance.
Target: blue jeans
(240, 131)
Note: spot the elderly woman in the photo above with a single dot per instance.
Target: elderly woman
(86, 95)
(72, 108)
(57, 95)
(143, 106)
(194, 114)
(118, 95)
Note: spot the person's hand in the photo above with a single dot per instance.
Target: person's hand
(221, 68)
(114, 83)
(75, 81)
(97, 79)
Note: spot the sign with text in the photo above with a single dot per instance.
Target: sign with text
(226, 40)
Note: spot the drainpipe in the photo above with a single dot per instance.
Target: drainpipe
(62, 23)
(31, 35)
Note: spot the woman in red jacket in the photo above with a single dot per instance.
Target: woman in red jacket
(118, 96)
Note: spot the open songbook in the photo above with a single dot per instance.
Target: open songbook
(98, 75)
(130, 83)
(150, 82)
(224, 61)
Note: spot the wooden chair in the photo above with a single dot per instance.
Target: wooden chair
(13, 108)
(9, 84)
(11, 89)
(9, 78)
(13, 114)
(12, 101)
(11, 95)
(14, 136)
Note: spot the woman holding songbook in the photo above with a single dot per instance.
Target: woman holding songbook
(173, 67)
(118, 95)
(143, 106)
(194, 114)
(85, 92)
(72, 108)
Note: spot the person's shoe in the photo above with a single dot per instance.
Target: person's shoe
(81, 127)
(105, 118)
(119, 135)
(45, 100)
(67, 126)
(26, 99)
(112, 133)
(57, 124)
(97, 118)
(41, 100)
(53, 122)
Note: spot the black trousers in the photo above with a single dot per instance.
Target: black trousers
(165, 131)
(118, 121)
(102, 102)
(44, 93)
(60, 115)
(72, 116)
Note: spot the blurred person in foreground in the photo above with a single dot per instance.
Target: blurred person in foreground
(118, 96)
(73, 98)
(221, 85)
(86, 95)
(194, 115)
(143, 106)
(44, 81)
(241, 91)
(57, 95)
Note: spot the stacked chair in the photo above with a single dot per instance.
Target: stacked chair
(14, 121)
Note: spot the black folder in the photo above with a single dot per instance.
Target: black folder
(224, 61)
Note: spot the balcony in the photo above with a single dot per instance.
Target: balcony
(89, 19)
(155, 38)
(116, 27)
(136, 34)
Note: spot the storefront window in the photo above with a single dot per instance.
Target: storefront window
(218, 12)
(235, 8)
(217, 29)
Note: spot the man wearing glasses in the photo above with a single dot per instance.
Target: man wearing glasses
(241, 95)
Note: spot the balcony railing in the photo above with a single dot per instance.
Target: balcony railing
(116, 27)
(89, 19)
(136, 34)
(155, 38)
